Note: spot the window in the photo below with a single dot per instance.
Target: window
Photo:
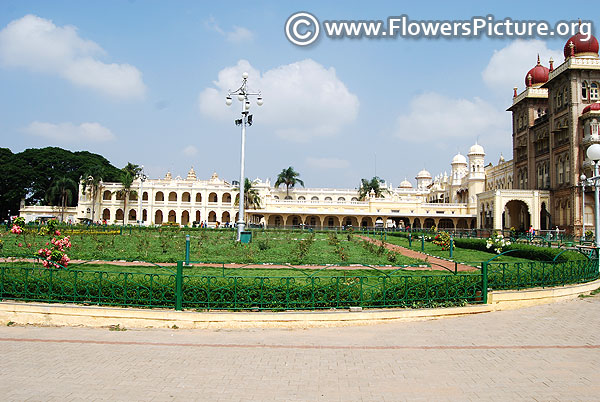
(584, 91)
(301, 198)
(560, 171)
(567, 170)
(594, 91)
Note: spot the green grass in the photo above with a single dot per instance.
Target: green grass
(209, 246)
(461, 255)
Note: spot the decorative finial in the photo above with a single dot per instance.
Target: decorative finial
(579, 26)
(538, 62)
(514, 92)
(572, 46)
(551, 64)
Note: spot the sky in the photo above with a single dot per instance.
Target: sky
(145, 82)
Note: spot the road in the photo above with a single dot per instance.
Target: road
(543, 353)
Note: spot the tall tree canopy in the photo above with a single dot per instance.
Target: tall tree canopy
(30, 174)
(367, 185)
(290, 178)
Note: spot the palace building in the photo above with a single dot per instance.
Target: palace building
(554, 120)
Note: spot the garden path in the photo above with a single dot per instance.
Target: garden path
(437, 262)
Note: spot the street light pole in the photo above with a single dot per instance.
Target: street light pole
(142, 177)
(243, 96)
(583, 179)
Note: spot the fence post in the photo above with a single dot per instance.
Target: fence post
(422, 242)
(484, 281)
(187, 250)
(409, 240)
(451, 246)
(179, 287)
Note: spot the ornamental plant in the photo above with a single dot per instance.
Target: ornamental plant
(55, 256)
(442, 239)
(497, 242)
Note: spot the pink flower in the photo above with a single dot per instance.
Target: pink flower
(47, 244)
(20, 244)
(57, 233)
(28, 245)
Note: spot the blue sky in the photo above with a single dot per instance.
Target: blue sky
(145, 81)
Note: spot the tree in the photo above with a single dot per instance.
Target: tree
(126, 191)
(132, 169)
(251, 197)
(289, 177)
(91, 183)
(62, 190)
(367, 185)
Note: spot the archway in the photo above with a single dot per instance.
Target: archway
(225, 217)
(107, 195)
(186, 197)
(212, 197)
(331, 221)
(544, 217)
(119, 216)
(144, 215)
(446, 223)
(172, 216)
(350, 221)
(462, 224)
(429, 223)
(197, 216)
(158, 217)
(226, 198)
(275, 221)
(106, 214)
(293, 220)
(159, 196)
(313, 222)
(417, 224)
(145, 196)
(198, 197)
(518, 216)
(366, 222)
(172, 196)
(185, 218)
(212, 216)
(132, 217)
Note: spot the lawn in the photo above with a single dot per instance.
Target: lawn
(168, 245)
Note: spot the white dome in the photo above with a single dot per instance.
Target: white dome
(476, 150)
(459, 159)
(405, 184)
(423, 174)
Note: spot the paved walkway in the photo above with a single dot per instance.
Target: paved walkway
(543, 353)
(436, 262)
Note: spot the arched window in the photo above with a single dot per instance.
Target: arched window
(172, 196)
(288, 197)
(341, 199)
(185, 197)
(198, 198)
(145, 196)
(584, 90)
(106, 195)
(301, 198)
(159, 196)
(594, 91)
(327, 198)
(567, 170)
(315, 198)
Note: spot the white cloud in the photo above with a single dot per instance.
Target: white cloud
(302, 100)
(238, 35)
(327, 163)
(190, 150)
(508, 66)
(37, 44)
(70, 133)
(435, 118)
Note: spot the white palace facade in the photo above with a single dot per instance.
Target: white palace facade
(554, 120)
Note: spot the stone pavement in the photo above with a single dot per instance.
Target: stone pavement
(542, 353)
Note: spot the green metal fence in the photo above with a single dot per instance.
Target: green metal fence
(182, 290)
(186, 289)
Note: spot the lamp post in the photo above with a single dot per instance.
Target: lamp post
(583, 180)
(593, 153)
(243, 95)
(142, 176)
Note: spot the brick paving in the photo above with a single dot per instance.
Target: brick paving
(437, 262)
(543, 353)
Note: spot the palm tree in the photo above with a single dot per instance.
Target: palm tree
(366, 186)
(132, 169)
(126, 181)
(251, 197)
(62, 190)
(289, 177)
(91, 183)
